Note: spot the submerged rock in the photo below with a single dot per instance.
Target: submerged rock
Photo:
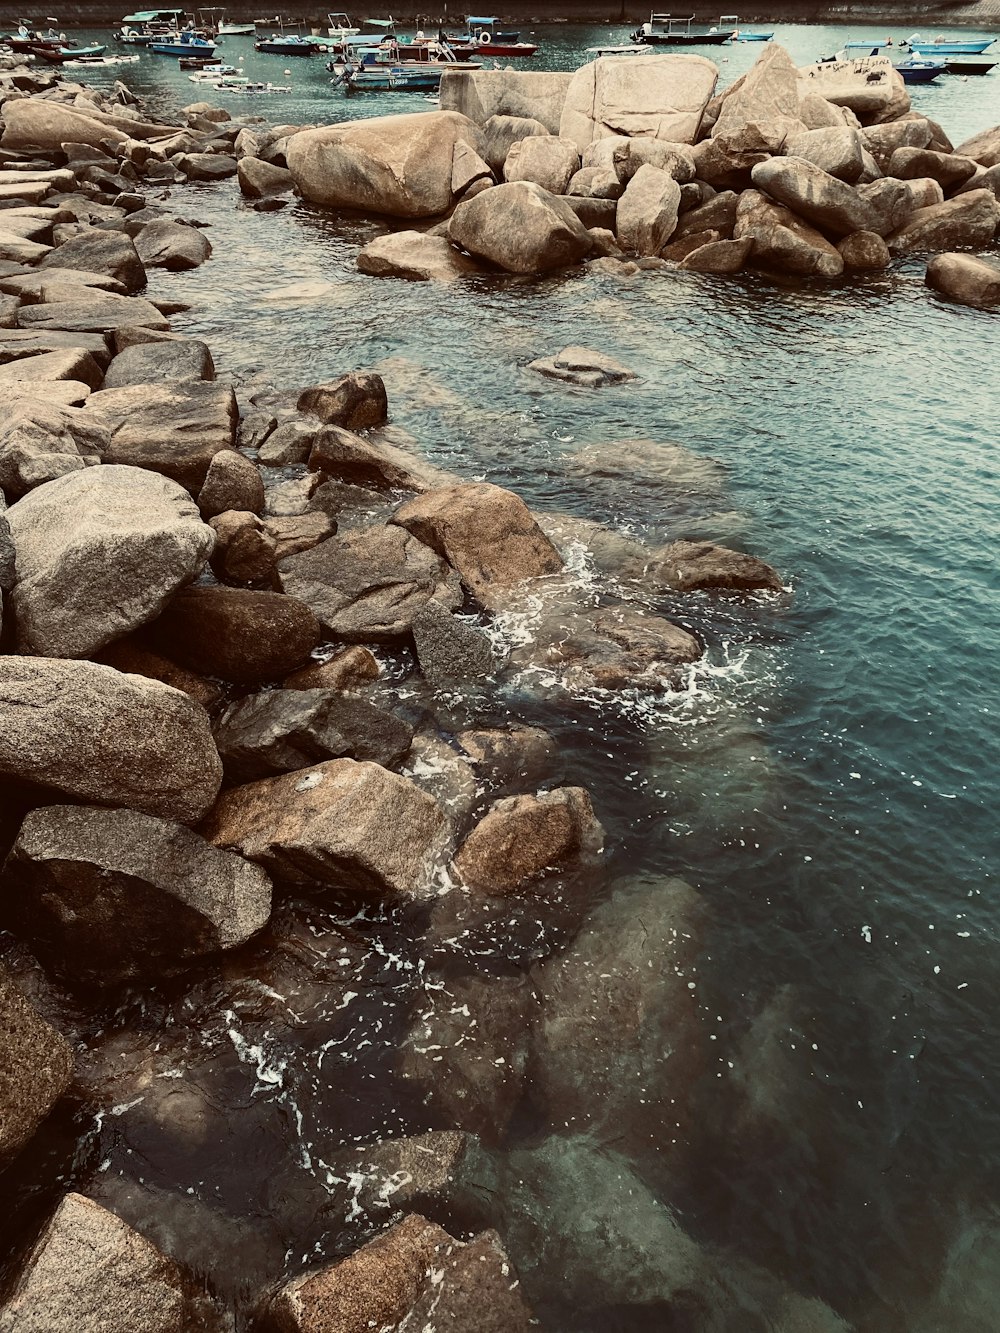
(93, 734)
(694, 566)
(581, 365)
(113, 895)
(100, 553)
(37, 1067)
(416, 256)
(968, 279)
(523, 838)
(340, 823)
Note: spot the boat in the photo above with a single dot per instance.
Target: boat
(91, 62)
(141, 28)
(391, 79)
(664, 30)
(965, 66)
(58, 55)
(282, 45)
(227, 29)
(182, 44)
(917, 70)
(949, 46)
(199, 62)
(213, 21)
(340, 26)
(742, 34)
(392, 53)
(482, 37)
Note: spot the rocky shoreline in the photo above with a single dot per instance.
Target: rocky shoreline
(211, 607)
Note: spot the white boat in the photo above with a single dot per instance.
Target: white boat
(89, 62)
(340, 26)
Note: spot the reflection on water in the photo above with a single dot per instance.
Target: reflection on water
(799, 1131)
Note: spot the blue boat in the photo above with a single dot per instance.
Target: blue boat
(916, 70)
(391, 79)
(944, 46)
(182, 44)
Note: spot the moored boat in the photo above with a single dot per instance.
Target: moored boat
(146, 25)
(742, 34)
(58, 54)
(949, 46)
(665, 30)
(917, 70)
(483, 37)
(962, 65)
(286, 45)
(182, 44)
(394, 78)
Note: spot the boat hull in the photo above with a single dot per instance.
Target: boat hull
(916, 74)
(683, 39)
(394, 81)
(60, 55)
(504, 50)
(951, 48)
(285, 49)
(969, 66)
(178, 49)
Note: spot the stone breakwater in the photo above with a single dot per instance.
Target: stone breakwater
(200, 598)
(813, 172)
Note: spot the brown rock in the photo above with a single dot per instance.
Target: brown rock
(299, 532)
(948, 169)
(231, 482)
(696, 566)
(346, 671)
(36, 1065)
(357, 400)
(245, 552)
(521, 838)
(718, 257)
(129, 656)
(783, 241)
(486, 533)
(968, 221)
(864, 250)
(241, 636)
(966, 279)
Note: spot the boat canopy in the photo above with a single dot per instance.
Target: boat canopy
(388, 25)
(484, 23)
(154, 16)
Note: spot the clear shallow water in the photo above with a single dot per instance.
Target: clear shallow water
(827, 782)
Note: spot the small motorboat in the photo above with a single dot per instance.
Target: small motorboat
(949, 46)
(962, 65)
(290, 45)
(483, 38)
(141, 28)
(99, 62)
(664, 30)
(917, 70)
(742, 34)
(340, 26)
(59, 55)
(390, 79)
(182, 44)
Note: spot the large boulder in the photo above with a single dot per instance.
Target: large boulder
(782, 241)
(179, 359)
(113, 895)
(815, 195)
(172, 428)
(241, 636)
(89, 1270)
(870, 87)
(40, 441)
(948, 169)
(99, 553)
(484, 532)
(521, 228)
(338, 823)
(103, 312)
(969, 221)
(546, 159)
(646, 96)
(356, 400)
(647, 211)
(399, 165)
(528, 94)
(232, 482)
(110, 253)
(367, 585)
(768, 92)
(416, 256)
(983, 147)
(413, 1278)
(37, 1067)
(965, 278)
(36, 123)
(522, 838)
(164, 243)
(501, 133)
(93, 734)
(283, 730)
(838, 151)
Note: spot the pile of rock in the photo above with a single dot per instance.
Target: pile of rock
(192, 719)
(812, 172)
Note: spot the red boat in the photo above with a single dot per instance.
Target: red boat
(483, 38)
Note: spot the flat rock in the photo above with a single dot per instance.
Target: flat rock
(583, 366)
(338, 823)
(111, 896)
(73, 364)
(241, 636)
(869, 86)
(37, 1068)
(92, 734)
(415, 256)
(103, 314)
(108, 253)
(368, 585)
(172, 362)
(280, 731)
(484, 532)
(206, 166)
(18, 343)
(482, 94)
(701, 566)
(99, 553)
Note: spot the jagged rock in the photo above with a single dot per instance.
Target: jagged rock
(172, 245)
(99, 553)
(255, 428)
(449, 650)
(178, 360)
(581, 365)
(409, 1174)
(240, 636)
(545, 159)
(369, 462)
(716, 214)
(815, 195)
(839, 152)
(647, 211)
(40, 442)
(864, 250)
(782, 241)
(983, 147)
(289, 443)
(718, 256)
(280, 731)
(400, 165)
(967, 279)
(88, 1269)
(467, 1050)
(654, 96)
(502, 132)
(345, 671)
(356, 401)
(468, 168)
(90, 733)
(103, 313)
(175, 429)
(769, 90)
(522, 838)
(341, 822)
(697, 566)
(245, 552)
(484, 532)
(948, 169)
(110, 896)
(231, 482)
(416, 256)
(37, 1068)
(410, 1278)
(969, 220)
(261, 180)
(368, 585)
(521, 228)
(482, 94)
(109, 253)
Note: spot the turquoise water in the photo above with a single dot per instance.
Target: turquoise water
(828, 780)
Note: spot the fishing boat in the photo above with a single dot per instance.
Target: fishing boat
(949, 46)
(213, 21)
(965, 66)
(664, 30)
(340, 26)
(742, 34)
(917, 70)
(141, 28)
(390, 79)
(289, 44)
(57, 54)
(182, 44)
(90, 62)
(393, 53)
(483, 37)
